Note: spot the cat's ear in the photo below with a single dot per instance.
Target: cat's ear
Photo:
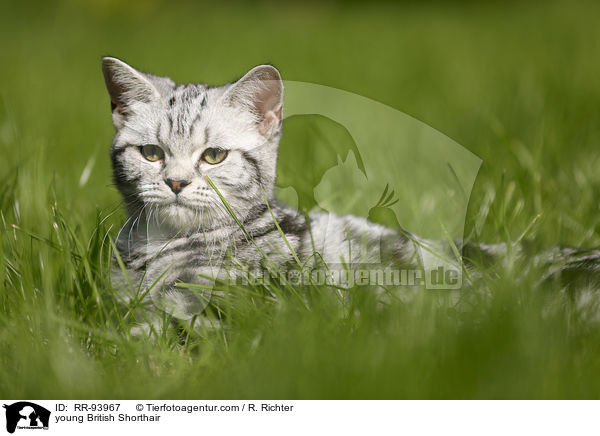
(260, 91)
(126, 86)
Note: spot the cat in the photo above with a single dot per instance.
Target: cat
(196, 165)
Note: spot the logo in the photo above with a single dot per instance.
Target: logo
(26, 415)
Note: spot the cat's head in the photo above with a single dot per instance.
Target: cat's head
(170, 138)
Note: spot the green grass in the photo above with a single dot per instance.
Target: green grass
(517, 84)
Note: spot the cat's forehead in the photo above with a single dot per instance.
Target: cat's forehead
(187, 117)
(188, 95)
(182, 111)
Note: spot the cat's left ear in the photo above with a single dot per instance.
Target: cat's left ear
(261, 92)
(126, 86)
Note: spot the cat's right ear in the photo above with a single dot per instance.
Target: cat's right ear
(125, 86)
(261, 92)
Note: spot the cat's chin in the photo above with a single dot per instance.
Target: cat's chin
(179, 217)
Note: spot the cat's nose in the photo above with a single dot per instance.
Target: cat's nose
(176, 185)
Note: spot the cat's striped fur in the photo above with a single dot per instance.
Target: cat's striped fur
(184, 236)
(179, 227)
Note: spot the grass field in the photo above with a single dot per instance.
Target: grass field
(516, 84)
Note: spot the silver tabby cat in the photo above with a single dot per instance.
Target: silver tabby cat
(196, 167)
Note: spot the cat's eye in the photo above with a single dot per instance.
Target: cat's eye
(214, 156)
(151, 152)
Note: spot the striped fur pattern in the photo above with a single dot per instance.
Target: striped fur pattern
(184, 236)
(179, 228)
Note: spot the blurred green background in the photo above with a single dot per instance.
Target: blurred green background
(516, 83)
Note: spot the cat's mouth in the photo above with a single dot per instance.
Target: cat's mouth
(181, 204)
(178, 202)
(175, 204)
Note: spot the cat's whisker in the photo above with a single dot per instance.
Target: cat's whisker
(148, 218)
(135, 222)
(122, 228)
